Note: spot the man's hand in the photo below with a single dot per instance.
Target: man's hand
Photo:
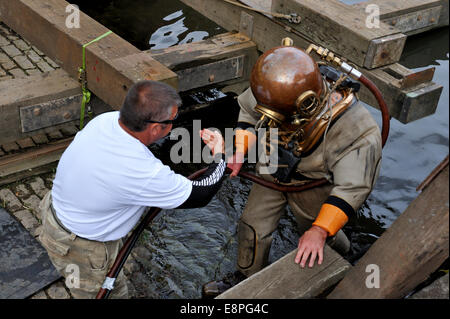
(311, 243)
(235, 163)
(213, 140)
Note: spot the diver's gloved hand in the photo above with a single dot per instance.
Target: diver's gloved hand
(235, 163)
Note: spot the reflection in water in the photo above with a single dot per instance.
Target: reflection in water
(137, 20)
(169, 35)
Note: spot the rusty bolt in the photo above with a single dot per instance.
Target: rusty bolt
(211, 78)
(432, 20)
(37, 111)
(419, 18)
(393, 22)
(66, 115)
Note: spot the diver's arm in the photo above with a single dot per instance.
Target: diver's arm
(207, 185)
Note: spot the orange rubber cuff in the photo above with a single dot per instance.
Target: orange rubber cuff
(331, 218)
(244, 141)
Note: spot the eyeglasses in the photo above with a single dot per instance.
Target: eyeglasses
(164, 122)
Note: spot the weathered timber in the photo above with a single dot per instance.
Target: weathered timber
(409, 16)
(32, 90)
(226, 58)
(11, 165)
(47, 114)
(40, 104)
(409, 95)
(420, 234)
(285, 279)
(344, 30)
(113, 64)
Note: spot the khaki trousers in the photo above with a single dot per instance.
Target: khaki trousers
(262, 214)
(84, 263)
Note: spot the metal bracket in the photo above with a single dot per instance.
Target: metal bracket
(246, 24)
(211, 73)
(35, 117)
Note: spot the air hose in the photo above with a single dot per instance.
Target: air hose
(330, 57)
(125, 251)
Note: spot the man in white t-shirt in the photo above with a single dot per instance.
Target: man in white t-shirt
(107, 178)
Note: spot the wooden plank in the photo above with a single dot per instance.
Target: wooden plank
(410, 16)
(226, 59)
(28, 172)
(343, 29)
(285, 279)
(409, 95)
(13, 164)
(393, 8)
(30, 91)
(43, 23)
(51, 89)
(421, 236)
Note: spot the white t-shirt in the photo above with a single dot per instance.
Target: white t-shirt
(106, 178)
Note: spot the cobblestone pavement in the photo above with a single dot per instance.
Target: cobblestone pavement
(18, 58)
(21, 199)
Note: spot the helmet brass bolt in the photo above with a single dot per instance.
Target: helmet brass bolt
(287, 42)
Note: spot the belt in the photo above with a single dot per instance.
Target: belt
(58, 221)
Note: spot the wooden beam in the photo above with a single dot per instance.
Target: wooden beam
(421, 236)
(343, 29)
(285, 279)
(409, 95)
(109, 61)
(32, 90)
(403, 97)
(410, 16)
(226, 59)
(40, 104)
(13, 165)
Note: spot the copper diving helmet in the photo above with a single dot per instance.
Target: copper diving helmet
(287, 84)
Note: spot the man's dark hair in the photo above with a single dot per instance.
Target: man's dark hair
(148, 100)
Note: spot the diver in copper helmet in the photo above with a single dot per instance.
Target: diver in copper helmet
(323, 132)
